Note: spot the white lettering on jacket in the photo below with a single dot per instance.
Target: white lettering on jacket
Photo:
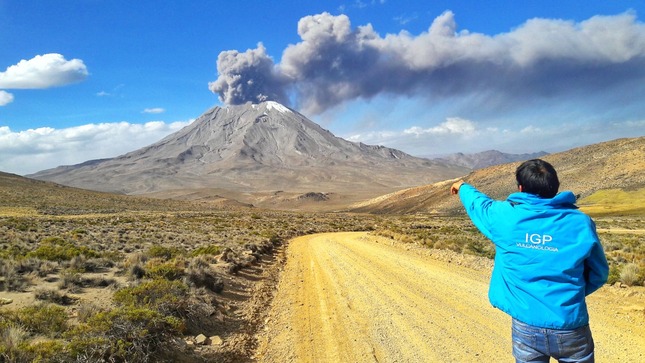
(537, 241)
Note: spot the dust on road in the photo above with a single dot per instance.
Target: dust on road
(354, 297)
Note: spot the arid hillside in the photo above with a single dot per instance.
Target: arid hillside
(264, 154)
(615, 165)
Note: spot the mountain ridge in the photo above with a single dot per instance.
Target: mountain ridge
(487, 158)
(616, 164)
(254, 148)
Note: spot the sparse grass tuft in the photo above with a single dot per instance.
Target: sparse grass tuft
(54, 296)
(630, 275)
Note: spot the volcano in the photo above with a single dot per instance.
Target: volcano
(254, 148)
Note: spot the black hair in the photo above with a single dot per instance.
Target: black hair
(538, 177)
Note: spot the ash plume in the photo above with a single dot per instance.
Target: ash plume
(247, 77)
(542, 58)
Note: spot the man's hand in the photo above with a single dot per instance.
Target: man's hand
(454, 189)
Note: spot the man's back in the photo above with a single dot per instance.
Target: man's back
(542, 248)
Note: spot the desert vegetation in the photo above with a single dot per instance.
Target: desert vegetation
(137, 286)
(92, 277)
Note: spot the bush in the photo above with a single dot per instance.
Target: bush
(166, 297)
(163, 252)
(171, 270)
(11, 279)
(74, 281)
(614, 274)
(46, 319)
(54, 296)
(127, 334)
(81, 263)
(629, 274)
(207, 250)
(57, 249)
(201, 274)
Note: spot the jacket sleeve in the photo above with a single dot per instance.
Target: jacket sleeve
(596, 268)
(479, 208)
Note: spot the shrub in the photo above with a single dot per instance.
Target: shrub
(629, 274)
(127, 334)
(81, 263)
(171, 270)
(86, 310)
(54, 296)
(167, 297)
(12, 336)
(614, 274)
(46, 351)
(46, 319)
(57, 249)
(74, 281)
(200, 274)
(207, 250)
(163, 252)
(11, 279)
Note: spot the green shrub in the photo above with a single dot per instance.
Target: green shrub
(46, 351)
(207, 250)
(171, 270)
(57, 249)
(127, 334)
(614, 274)
(46, 319)
(163, 252)
(167, 297)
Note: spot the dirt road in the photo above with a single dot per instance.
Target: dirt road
(352, 297)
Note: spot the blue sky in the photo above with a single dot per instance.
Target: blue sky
(89, 79)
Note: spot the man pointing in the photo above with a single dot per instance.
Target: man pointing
(548, 258)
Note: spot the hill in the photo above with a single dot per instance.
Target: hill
(617, 165)
(487, 158)
(20, 195)
(257, 153)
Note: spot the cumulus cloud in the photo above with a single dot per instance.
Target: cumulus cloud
(542, 58)
(453, 125)
(460, 135)
(43, 71)
(154, 110)
(5, 98)
(29, 151)
(248, 77)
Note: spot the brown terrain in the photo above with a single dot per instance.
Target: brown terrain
(356, 297)
(405, 282)
(617, 164)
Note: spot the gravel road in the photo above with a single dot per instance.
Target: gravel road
(354, 297)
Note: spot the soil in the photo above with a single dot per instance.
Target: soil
(354, 297)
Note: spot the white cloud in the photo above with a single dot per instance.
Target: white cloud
(29, 151)
(452, 125)
(5, 98)
(43, 71)
(459, 135)
(154, 110)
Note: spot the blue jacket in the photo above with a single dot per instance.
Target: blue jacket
(547, 256)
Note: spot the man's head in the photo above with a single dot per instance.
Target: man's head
(537, 177)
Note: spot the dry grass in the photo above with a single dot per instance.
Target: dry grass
(75, 250)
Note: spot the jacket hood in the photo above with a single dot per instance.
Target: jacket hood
(564, 199)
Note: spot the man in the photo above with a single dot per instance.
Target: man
(547, 259)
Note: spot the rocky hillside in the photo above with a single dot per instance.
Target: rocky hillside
(254, 148)
(618, 164)
(487, 158)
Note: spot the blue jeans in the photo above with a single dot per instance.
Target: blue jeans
(533, 344)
